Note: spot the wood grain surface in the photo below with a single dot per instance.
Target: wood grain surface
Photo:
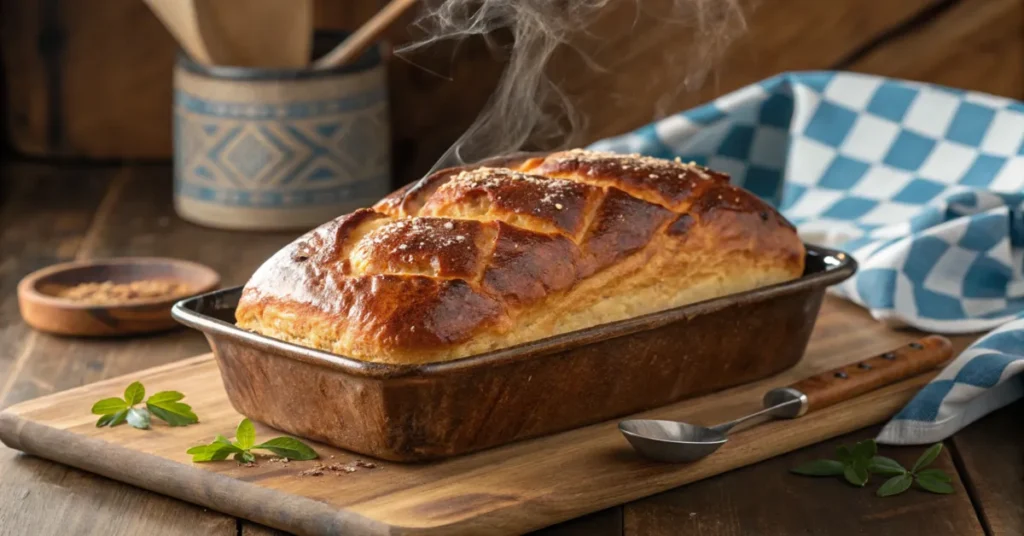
(520, 487)
(969, 44)
(778, 503)
(51, 214)
(50, 230)
(652, 78)
(604, 523)
(131, 215)
(69, 501)
(990, 456)
(75, 90)
(68, 218)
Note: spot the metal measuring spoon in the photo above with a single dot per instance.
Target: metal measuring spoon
(672, 441)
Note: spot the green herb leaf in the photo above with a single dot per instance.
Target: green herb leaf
(936, 474)
(108, 406)
(173, 413)
(211, 453)
(112, 419)
(880, 465)
(138, 418)
(134, 393)
(856, 474)
(222, 453)
(934, 485)
(895, 485)
(865, 449)
(165, 396)
(820, 468)
(927, 458)
(857, 462)
(198, 449)
(119, 418)
(245, 439)
(164, 405)
(289, 447)
(245, 435)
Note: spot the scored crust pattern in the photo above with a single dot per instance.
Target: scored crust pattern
(474, 259)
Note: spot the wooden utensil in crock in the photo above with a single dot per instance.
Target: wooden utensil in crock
(365, 36)
(181, 19)
(43, 309)
(258, 33)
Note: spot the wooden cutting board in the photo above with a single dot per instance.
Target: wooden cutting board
(512, 489)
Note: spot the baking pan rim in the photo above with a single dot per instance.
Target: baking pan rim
(839, 266)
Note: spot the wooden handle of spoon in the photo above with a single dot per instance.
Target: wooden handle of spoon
(363, 37)
(844, 383)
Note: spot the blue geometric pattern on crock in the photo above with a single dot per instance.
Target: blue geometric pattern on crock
(922, 184)
(282, 155)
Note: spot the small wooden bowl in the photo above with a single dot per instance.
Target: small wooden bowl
(44, 310)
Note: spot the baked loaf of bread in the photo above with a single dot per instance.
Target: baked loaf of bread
(471, 260)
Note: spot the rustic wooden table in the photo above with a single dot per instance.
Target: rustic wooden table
(55, 213)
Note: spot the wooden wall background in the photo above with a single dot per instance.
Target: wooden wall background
(90, 79)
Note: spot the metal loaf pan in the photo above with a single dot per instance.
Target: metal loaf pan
(412, 413)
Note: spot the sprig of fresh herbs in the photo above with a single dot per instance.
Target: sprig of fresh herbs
(858, 462)
(245, 442)
(165, 405)
(933, 480)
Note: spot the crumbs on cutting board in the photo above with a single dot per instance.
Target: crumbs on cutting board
(321, 469)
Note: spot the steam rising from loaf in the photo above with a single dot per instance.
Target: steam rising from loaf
(529, 109)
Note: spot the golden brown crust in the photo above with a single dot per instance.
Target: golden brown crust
(527, 266)
(472, 260)
(670, 184)
(621, 226)
(532, 201)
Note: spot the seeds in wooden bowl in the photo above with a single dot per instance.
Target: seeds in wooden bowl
(110, 293)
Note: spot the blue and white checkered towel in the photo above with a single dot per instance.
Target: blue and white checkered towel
(922, 184)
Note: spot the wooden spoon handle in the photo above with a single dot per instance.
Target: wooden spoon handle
(362, 38)
(853, 380)
(181, 20)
